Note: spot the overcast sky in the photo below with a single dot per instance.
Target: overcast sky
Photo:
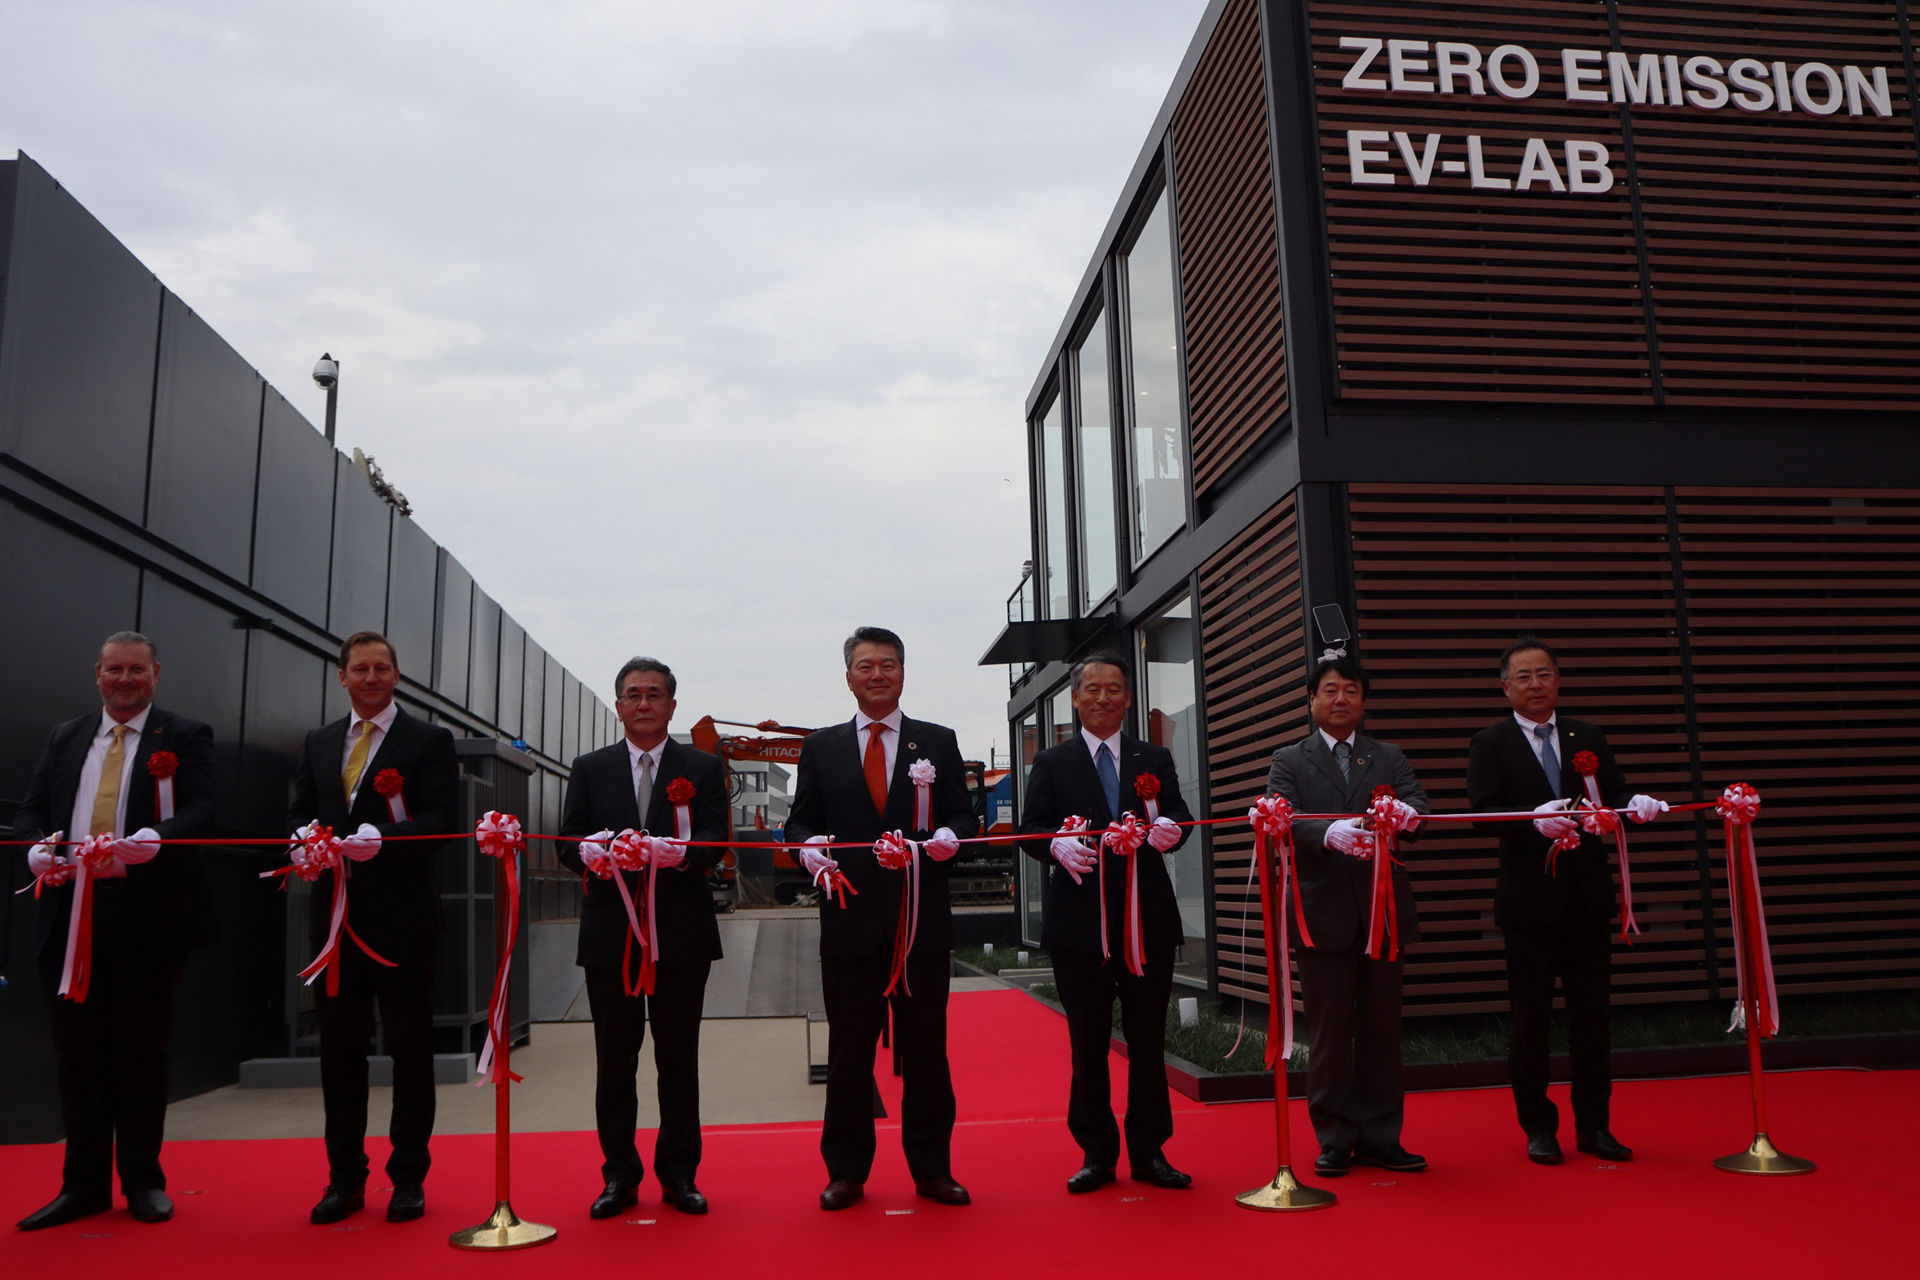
(701, 330)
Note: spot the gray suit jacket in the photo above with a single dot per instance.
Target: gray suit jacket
(1337, 889)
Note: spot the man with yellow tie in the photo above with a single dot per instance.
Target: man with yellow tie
(142, 778)
(370, 776)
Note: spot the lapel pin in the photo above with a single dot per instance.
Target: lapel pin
(913, 746)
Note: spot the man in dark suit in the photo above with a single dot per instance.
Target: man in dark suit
(1354, 1093)
(621, 788)
(1097, 775)
(1553, 916)
(393, 905)
(109, 773)
(854, 784)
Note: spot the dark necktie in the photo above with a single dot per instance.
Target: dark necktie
(876, 766)
(643, 789)
(1109, 779)
(1549, 759)
(1343, 752)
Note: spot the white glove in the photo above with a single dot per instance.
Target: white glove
(138, 847)
(1073, 856)
(1350, 837)
(362, 844)
(1410, 818)
(42, 857)
(943, 845)
(1645, 808)
(818, 861)
(593, 852)
(1557, 826)
(666, 853)
(1163, 834)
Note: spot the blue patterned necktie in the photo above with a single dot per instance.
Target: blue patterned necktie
(1343, 752)
(1109, 779)
(1549, 759)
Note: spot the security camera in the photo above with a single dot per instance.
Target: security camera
(326, 372)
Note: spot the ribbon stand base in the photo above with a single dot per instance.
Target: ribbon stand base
(503, 1230)
(1285, 1193)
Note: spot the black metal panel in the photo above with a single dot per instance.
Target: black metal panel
(206, 439)
(411, 565)
(357, 599)
(552, 704)
(454, 628)
(293, 511)
(286, 697)
(76, 380)
(533, 685)
(571, 734)
(483, 687)
(203, 665)
(513, 658)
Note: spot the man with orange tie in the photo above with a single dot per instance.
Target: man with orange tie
(856, 781)
(138, 775)
(369, 776)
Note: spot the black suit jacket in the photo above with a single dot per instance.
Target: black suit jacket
(600, 797)
(164, 907)
(830, 797)
(1335, 889)
(1503, 773)
(1063, 784)
(392, 901)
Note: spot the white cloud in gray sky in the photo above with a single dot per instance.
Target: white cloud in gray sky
(700, 330)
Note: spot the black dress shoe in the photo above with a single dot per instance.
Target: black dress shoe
(942, 1190)
(841, 1193)
(683, 1195)
(1543, 1148)
(407, 1203)
(1091, 1177)
(1603, 1144)
(1396, 1158)
(62, 1209)
(616, 1197)
(336, 1204)
(150, 1205)
(1332, 1162)
(1161, 1174)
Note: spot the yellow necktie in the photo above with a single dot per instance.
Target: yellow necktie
(357, 758)
(106, 800)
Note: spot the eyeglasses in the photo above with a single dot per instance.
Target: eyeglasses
(1526, 679)
(643, 695)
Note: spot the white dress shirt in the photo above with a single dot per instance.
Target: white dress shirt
(1533, 742)
(889, 737)
(1094, 744)
(634, 753)
(381, 722)
(89, 786)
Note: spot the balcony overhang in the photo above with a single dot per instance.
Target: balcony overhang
(1051, 640)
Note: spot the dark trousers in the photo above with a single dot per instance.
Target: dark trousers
(405, 998)
(112, 1051)
(856, 1012)
(1579, 952)
(1354, 1092)
(619, 1031)
(1088, 986)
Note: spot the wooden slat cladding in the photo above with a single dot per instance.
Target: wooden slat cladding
(1444, 579)
(1804, 608)
(1445, 292)
(1229, 250)
(1250, 638)
(1783, 247)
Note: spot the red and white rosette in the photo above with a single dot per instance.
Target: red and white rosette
(1123, 839)
(390, 785)
(1273, 854)
(921, 774)
(1599, 820)
(161, 766)
(315, 852)
(90, 858)
(680, 796)
(897, 853)
(632, 851)
(499, 836)
(1383, 813)
(1147, 787)
(1738, 806)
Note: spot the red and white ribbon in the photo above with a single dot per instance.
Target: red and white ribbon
(90, 858)
(391, 787)
(499, 836)
(1147, 787)
(1123, 838)
(1385, 814)
(1601, 821)
(897, 853)
(1273, 853)
(161, 766)
(315, 853)
(632, 851)
(921, 774)
(1738, 806)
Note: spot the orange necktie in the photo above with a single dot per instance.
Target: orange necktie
(876, 765)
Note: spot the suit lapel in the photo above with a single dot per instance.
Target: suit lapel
(140, 797)
(72, 759)
(1324, 760)
(1098, 815)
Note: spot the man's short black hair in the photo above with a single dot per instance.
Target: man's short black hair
(1105, 658)
(873, 635)
(1528, 641)
(647, 664)
(1341, 665)
(132, 637)
(359, 638)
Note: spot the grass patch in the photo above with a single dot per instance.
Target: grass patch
(1001, 958)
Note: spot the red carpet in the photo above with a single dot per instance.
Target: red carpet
(243, 1204)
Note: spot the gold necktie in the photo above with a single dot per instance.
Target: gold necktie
(106, 800)
(357, 758)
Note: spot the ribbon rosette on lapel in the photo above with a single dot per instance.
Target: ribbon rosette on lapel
(1147, 787)
(499, 836)
(389, 784)
(897, 853)
(921, 774)
(633, 851)
(680, 796)
(161, 766)
(1123, 839)
(1738, 806)
(1599, 820)
(1386, 821)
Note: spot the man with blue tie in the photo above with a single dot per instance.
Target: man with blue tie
(1554, 912)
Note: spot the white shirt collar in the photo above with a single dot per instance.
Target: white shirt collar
(635, 752)
(137, 725)
(381, 720)
(1332, 741)
(1528, 726)
(1094, 744)
(893, 720)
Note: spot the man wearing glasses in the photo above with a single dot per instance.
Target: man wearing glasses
(1554, 910)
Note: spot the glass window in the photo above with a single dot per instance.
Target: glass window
(1168, 640)
(1093, 445)
(1053, 513)
(1157, 458)
(1060, 716)
(1032, 874)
